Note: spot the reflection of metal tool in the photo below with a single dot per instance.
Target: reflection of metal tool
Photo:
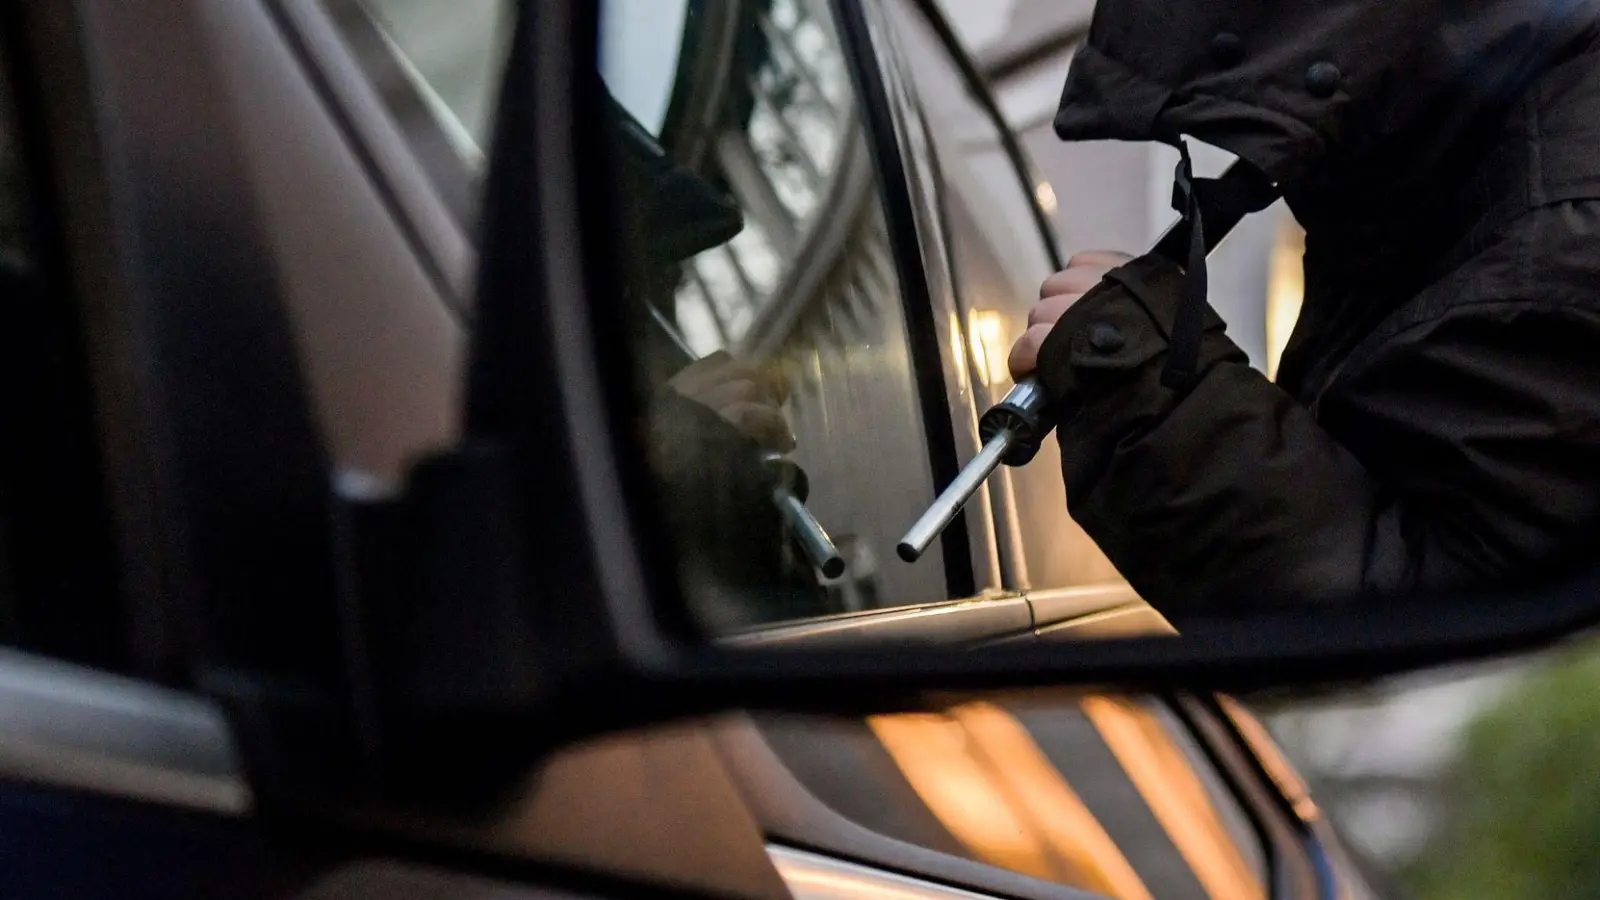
(792, 488)
(790, 495)
(671, 331)
(1013, 429)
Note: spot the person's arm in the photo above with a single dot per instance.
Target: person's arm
(709, 428)
(1463, 449)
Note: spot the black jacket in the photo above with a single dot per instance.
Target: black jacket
(1436, 421)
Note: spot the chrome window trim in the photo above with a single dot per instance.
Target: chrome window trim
(347, 86)
(810, 876)
(976, 619)
(66, 726)
(952, 622)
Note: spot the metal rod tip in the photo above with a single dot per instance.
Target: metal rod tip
(908, 552)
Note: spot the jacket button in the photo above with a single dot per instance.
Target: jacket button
(1322, 79)
(1227, 50)
(1105, 337)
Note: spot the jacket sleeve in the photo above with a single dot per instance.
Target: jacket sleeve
(1464, 450)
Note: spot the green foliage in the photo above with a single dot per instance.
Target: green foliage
(1525, 795)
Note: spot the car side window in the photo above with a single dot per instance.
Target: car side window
(766, 311)
(998, 257)
(782, 413)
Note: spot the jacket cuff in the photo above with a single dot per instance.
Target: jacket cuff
(1120, 330)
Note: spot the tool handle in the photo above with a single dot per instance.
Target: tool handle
(1014, 429)
(1025, 413)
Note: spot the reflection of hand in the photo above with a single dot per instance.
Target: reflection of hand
(1057, 295)
(746, 396)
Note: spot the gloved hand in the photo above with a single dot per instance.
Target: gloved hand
(1057, 295)
(709, 426)
(747, 397)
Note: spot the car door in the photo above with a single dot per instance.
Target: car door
(836, 281)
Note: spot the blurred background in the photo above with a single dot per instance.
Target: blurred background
(1478, 781)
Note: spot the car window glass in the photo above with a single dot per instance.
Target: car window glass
(999, 258)
(756, 236)
(1179, 829)
(1225, 809)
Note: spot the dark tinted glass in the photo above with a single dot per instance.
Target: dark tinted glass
(766, 311)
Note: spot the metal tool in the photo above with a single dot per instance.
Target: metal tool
(1012, 432)
(1013, 429)
(790, 496)
(792, 487)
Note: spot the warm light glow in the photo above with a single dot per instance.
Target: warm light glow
(1266, 749)
(933, 753)
(1169, 785)
(1285, 290)
(813, 884)
(1035, 784)
(987, 781)
(1046, 195)
(989, 334)
(956, 337)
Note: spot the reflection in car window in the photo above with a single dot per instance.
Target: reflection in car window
(757, 236)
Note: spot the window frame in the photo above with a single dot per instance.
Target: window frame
(412, 186)
(432, 193)
(949, 421)
(983, 606)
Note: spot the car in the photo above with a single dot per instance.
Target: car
(245, 249)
